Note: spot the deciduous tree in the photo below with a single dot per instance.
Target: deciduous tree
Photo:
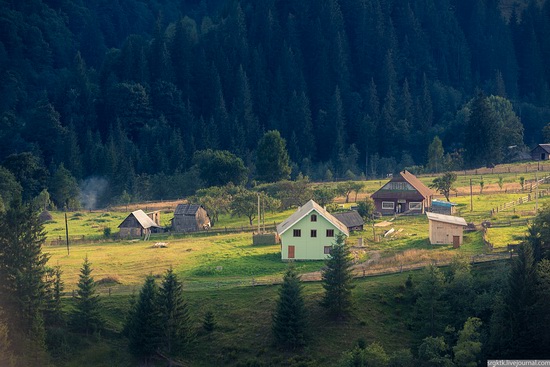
(444, 184)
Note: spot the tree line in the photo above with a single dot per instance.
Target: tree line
(351, 86)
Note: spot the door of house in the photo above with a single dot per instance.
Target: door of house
(456, 241)
(542, 156)
(291, 252)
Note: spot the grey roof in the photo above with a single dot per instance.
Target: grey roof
(546, 147)
(187, 209)
(143, 219)
(446, 219)
(305, 210)
(350, 219)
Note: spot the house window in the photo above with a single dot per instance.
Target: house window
(330, 232)
(313, 233)
(297, 233)
(388, 205)
(415, 206)
(313, 217)
(327, 250)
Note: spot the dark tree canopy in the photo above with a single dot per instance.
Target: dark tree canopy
(272, 162)
(117, 91)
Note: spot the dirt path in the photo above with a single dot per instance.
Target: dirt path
(374, 257)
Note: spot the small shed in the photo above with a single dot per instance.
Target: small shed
(443, 207)
(352, 220)
(446, 229)
(541, 152)
(136, 225)
(190, 218)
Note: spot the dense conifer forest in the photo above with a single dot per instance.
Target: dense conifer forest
(125, 92)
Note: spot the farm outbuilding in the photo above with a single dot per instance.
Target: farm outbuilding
(404, 193)
(541, 152)
(138, 224)
(351, 219)
(309, 233)
(446, 229)
(190, 218)
(443, 207)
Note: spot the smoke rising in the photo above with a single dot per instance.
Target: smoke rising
(91, 190)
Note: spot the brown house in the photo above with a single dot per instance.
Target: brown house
(138, 224)
(350, 219)
(404, 193)
(446, 229)
(190, 218)
(541, 152)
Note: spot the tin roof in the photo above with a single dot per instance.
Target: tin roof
(186, 209)
(446, 219)
(142, 219)
(545, 147)
(305, 210)
(350, 219)
(404, 176)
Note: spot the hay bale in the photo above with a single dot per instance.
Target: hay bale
(45, 216)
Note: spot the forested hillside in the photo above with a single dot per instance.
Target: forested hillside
(126, 91)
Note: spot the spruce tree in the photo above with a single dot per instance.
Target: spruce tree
(174, 313)
(429, 303)
(290, 320)
(54, 310)
(143, 323)
(337, 278)
(22, 272)
(520, 298)
(86, 317)
(209, 322)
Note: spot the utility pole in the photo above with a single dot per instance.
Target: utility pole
(67, 232)
(471, 197)
(536, 194)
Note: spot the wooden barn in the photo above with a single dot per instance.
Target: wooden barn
(352, 220)
(446, 229)
(404, 193)
(541, 152)
(190, 218)
(138, 225)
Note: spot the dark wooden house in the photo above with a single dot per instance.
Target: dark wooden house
(138, 225)
(404, 193)
(190, 218)
(541, 152)
(351, 219)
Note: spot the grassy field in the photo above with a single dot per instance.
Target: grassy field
(243, 317)
(218, 269)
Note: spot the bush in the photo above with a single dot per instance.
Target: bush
(107, 232)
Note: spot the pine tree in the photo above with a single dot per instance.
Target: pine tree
(272, 162)
(22, 272)
(520, 298)
(337, 278)
(86, 317)
(429, 304)
(143, 323)
(209, 322)
(290, 320)
(174, 313)
(54, 308)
